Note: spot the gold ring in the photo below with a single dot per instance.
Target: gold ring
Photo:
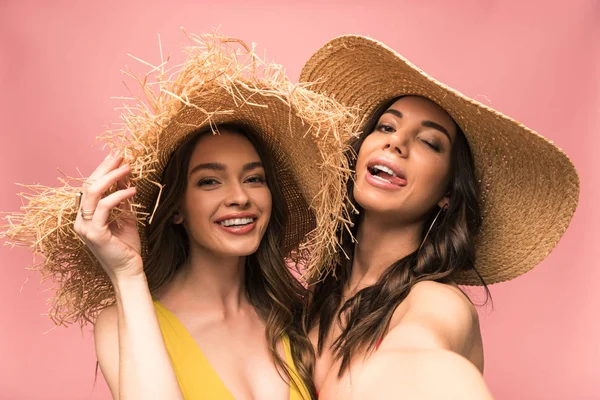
(87, 214)
(78, 200)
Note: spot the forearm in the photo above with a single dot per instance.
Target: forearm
(420, 374)
(145, 370)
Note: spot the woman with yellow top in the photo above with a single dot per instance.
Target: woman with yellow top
(214, 184)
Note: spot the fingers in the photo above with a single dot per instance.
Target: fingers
(108, 164)
(94, 192)
(102, 213)
(109, 172)
(126, 205)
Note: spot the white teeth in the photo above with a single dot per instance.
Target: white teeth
(381, 179)
(385, 169)
(236, 221)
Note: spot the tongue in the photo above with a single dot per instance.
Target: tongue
(391, 178)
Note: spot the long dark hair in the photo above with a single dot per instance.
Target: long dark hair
(449, 248)
(277, 296)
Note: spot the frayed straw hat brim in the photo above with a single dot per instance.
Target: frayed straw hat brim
(221, 81)
(529, 187)
(273, 121)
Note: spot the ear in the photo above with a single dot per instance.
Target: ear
(177, 218)
(444, 201)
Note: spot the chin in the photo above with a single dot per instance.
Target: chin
(367, 197)
(372, 205)
(237, 253)
(240, 249)
(374, 201)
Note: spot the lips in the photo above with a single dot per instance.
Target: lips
(386, 171)
(230, 219)
(238, 223)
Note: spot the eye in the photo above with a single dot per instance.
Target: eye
(256, 179)
(431, 145)
(207, 182)
(385, 128)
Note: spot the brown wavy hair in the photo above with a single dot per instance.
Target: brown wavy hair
(273, 291)
(449, 248)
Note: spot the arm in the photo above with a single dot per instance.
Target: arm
(420, 374)
(435, 316)
(129, 344)
(130, 348)
(423, 355)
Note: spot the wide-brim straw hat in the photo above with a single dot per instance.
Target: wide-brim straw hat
(529, 187)
(221, 81)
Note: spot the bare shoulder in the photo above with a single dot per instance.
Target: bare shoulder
(420, 374)
(107, 319)
(106, 339)
(441, 299)
(435, 316)
(438, 302)
(106, 328)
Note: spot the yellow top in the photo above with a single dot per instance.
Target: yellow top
(197, 379)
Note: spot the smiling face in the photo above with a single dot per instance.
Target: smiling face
(403, 165)
(227, 203)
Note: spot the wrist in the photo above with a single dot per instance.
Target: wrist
(129, 281)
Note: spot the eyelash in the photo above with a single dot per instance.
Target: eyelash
(207, 181)
(257, 179)
(211, 181)
(384, 128)
(433, 146)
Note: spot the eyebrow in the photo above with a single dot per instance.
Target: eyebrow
(252, 165)
(426, 123)
(394, 112)
(215, 166)
(434, 125)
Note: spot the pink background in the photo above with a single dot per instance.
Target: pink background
(538, 61)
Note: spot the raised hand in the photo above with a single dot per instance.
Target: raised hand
(116, 245)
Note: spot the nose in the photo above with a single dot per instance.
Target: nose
(237, 196)
(396, 142)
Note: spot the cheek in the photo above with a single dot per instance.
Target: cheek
(366, 148)
(434, 175)
(264, 201)
(200, 206)
(362, 159)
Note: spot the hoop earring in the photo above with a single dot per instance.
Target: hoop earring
(444, 208)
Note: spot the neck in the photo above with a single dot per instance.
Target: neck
(209, 281)
(379, 245)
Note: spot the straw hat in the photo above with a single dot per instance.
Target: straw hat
(221, 81)
(529, 187)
